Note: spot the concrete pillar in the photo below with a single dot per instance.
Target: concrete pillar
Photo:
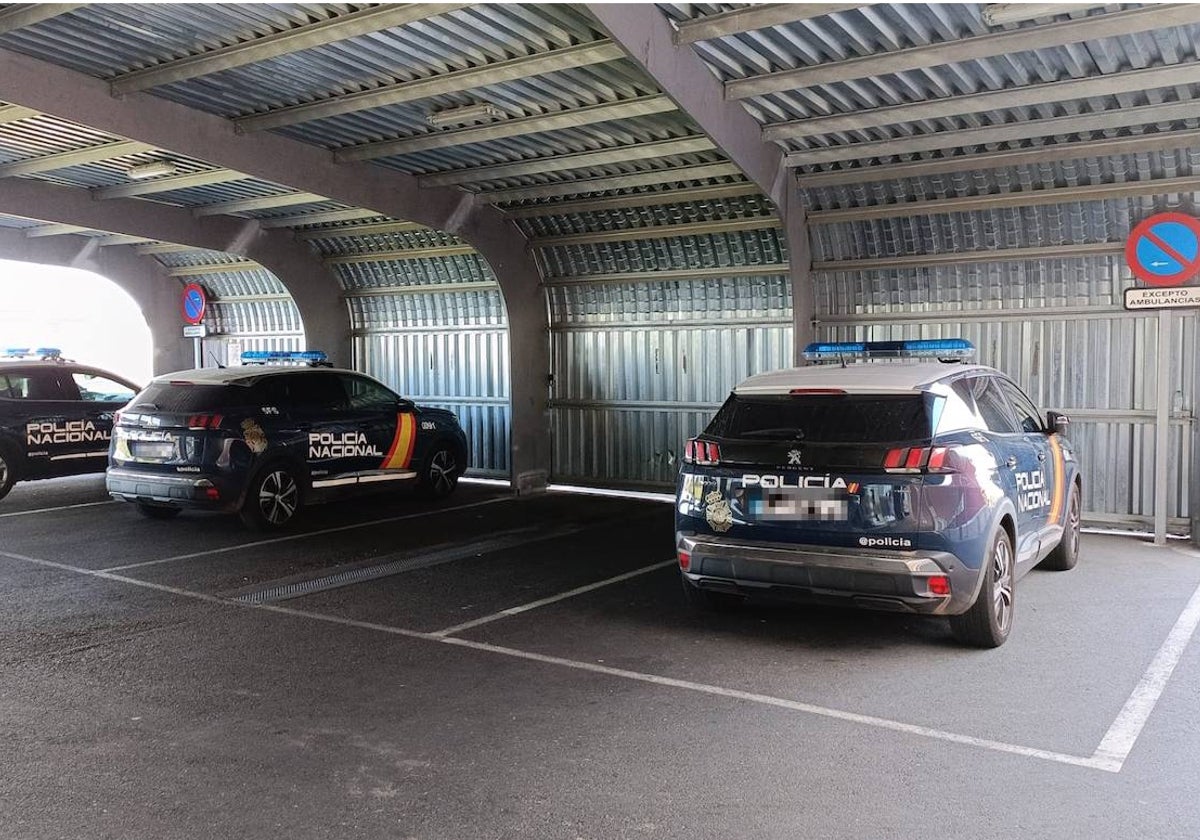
(143, 278)
(804, 303)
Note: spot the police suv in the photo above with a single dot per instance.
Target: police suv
(921, 484)
(263, 441)
(55, 416)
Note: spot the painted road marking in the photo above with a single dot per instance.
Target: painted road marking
(52, 509)
(1111, 763)
(274, 540)
(533, 605)
(1119, 740)
(385, 567)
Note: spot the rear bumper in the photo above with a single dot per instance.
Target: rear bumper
(184, 491)
(885, 580)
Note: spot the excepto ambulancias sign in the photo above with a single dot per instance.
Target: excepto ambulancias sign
(1163, 252)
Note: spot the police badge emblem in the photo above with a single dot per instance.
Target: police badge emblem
(717, 512)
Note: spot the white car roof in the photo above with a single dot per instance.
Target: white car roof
(859, 377)
(237, 373)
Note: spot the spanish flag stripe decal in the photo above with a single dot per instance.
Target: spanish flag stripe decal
(400, 452)
(1057, 504)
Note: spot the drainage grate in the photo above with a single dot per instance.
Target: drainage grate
(300, 588)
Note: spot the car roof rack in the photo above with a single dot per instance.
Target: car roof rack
(947, 350)
(312, 358)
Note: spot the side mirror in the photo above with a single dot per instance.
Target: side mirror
(1057, 422)
(405, 406)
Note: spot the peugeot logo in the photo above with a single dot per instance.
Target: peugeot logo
(793, 457)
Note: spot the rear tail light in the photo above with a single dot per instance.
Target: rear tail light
(685, 560)
(939, 585)
(212, 494)
(918, 458)
(205, 421)
(702, 452)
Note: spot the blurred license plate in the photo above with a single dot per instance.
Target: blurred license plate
(801, 504)
(157, 449)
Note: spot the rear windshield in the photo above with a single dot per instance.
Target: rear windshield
(824, 418)
(163, 396)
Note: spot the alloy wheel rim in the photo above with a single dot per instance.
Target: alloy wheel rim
(3, 471)
(277, 497)
(1002, 584)
(1073, 524)
(441, 472)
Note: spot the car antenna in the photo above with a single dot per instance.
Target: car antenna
(213, 356)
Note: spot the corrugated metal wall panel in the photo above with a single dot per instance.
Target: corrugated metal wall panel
(640, 367)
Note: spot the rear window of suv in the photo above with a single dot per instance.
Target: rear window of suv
(181, 398)
(824, 418)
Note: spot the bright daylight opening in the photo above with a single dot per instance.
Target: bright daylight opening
(87, 316)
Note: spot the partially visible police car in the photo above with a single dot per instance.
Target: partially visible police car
(920, 484)
(55, 415)
(263, 440)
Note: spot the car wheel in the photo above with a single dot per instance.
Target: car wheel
(8, 470)
(705, 600)
(441, 472)
(988, 621)
(272, 500)
(158, 511)
(1066, 554)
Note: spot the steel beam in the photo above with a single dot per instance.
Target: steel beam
(645, 199)
(658, 232)
(1027, 198)
(1068, 90)
(911, 261)
(221, 268)
(563, 163)
(340, 28)
(999, 14)
(165, 248)
(401, 255)
(22, 15)
(264, 202)
(753, 17)
(121, 239)
(175, 182)
(322, 218)
(12, 113)
(430, 289)
(78, 157)
(968, 49)
(1006, 133)
(1158, 142)
(456, 81)
(673, 275)
(596, 185)
(567, 118)
(54, 230)
(360, 230)
(313, 289)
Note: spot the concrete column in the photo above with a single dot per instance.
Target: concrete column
(143, 278)
(804, 305)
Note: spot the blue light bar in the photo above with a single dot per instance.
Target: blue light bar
(23, 352)
(262, 357)
(934, 348)
(15, 352)
(48, 352)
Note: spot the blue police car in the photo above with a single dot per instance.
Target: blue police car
(55, 415)
(894, 476)
(263, 440)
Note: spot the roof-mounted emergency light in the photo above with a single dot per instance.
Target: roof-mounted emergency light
(45, 353)
(263, 357)
(944, 349)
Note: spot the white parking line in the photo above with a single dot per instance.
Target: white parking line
(60, 507)
(1092, 762)
(274, 540)
(562, 596)
(1119, 740)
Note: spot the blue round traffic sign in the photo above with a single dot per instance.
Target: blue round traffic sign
(193, 303)
(1164, 250)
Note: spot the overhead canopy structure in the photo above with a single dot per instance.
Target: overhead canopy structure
(680, 194)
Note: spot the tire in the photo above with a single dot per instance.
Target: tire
(8, 469)
(705, 600)
(440, 474)
(1066, 554)
(273, 499)
(988, 621)
(158, 511)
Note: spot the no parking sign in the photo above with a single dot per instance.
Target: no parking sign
(193, 303)
(1164, 252)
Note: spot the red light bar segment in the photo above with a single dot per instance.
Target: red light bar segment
(916, 458)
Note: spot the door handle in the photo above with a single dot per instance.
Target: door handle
(1011, 463)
